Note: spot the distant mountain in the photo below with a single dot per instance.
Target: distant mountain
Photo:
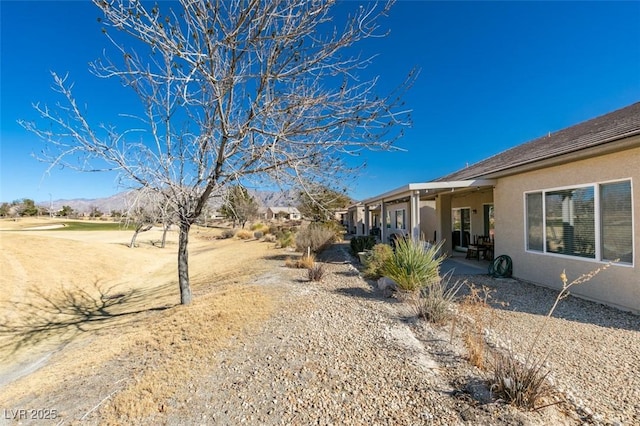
(119, 201)
(84, 205)
(275, 198)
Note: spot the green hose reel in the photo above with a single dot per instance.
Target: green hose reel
(501, 267)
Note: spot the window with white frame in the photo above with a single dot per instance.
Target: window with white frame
(400, 224)
(591, 221)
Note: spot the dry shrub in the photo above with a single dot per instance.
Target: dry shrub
(523, 383)
(269, 238)
(475, 306)
(307, 261)
(244, 234)
(315, 237)
(227, 233)
(337, 228)
(316, 272)
(304, 262)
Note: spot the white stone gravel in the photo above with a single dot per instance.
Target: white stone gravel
(339, 352)
(593, 350)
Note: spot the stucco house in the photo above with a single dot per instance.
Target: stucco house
(567, 201)
(290, 213)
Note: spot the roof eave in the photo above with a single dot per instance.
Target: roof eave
(425, 187)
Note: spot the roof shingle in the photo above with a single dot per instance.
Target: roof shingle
(598, 131)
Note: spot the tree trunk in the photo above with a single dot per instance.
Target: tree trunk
(183, 263)
(164, 234)
(133, 239)
(139, 229)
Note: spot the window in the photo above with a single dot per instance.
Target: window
(570, 222)
(400, 219)
(535, 236)
(593, 221)
(616, 227)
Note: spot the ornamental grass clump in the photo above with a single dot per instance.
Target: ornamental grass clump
(433, 302)
(414, 264)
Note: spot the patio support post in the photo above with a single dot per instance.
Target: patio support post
(415, 215)
(383, 222)
(367, 228)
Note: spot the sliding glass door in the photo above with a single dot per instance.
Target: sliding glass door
(461, 224)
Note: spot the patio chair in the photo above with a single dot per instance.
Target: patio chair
(474, 250)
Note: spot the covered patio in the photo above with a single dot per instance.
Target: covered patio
(433, 211)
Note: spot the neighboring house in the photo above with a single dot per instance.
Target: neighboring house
(340, 215)
(566, 201)
(290, 213)
(354, 219)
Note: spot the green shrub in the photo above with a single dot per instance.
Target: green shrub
(375, 260)
(274, 229)
(315, 237)
(361, 243)
(259, 227)
(286, 239)
(414, 266)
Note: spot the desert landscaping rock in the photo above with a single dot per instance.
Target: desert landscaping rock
(341, 351)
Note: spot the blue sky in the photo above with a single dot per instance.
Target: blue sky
(493, 75)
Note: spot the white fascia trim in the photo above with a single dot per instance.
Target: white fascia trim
(405, 190)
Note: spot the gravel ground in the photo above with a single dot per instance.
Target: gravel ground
(593, 350)
(341, 352)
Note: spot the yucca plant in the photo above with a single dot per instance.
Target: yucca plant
(520, 384)
(414, 264)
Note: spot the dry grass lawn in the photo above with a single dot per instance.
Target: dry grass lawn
(92, 327)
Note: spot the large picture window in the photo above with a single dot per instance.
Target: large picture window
(593, 221)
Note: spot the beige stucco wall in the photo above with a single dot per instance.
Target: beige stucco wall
(619, 285)
(428, 219)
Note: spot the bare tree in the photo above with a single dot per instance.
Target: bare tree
(140, 212)
(230, 91)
